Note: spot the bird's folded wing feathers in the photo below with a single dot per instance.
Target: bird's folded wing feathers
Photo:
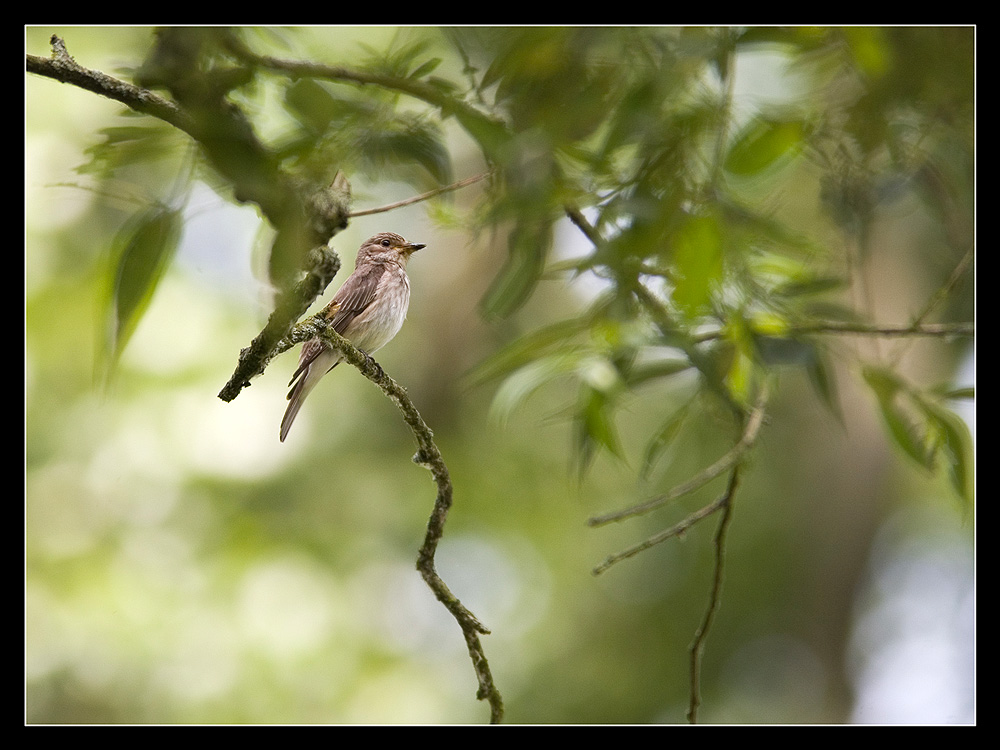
(353, 298)
(310, 350)
(349, 302)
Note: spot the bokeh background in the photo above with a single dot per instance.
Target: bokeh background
(183, 566)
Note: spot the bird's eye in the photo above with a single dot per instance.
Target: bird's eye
(385, 243)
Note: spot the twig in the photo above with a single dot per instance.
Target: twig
(290, 306)
(675, 530)
(423, 196)
(886, 330)
(945, 289)
(938, 297)
(63, 68)
(429, 456)
(732, 457)
(698, 644)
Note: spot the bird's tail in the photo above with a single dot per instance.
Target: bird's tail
(295, 398)
(303, 381)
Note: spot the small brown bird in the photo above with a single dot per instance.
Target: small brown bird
(368, 310)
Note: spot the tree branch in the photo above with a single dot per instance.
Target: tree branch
(289, 307)
(484, 128)
(697, 646)
(63, 68)
(429, 456)
(423, 196)
(731, 458)
(943, 330)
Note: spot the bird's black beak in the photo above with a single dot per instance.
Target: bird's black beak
(413, 246)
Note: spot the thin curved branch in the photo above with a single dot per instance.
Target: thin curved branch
(429, 456)
(423, 196)
(698, 644)
(677, 529)
(732, 457)
(885, 330)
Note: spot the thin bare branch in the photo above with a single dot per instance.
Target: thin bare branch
(429, 456)
(939, 296)
(423, 196)
(943, 330)
(675, 530)
(945, 289)
(698, 644)
(732, 457)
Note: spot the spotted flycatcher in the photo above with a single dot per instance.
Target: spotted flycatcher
(368, 310)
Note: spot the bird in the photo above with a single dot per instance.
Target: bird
(368, 310)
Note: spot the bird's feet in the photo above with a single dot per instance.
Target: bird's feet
(372, 364)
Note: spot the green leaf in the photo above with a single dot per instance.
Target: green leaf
(959, 453)
(883, 382)
(426, 67)
(892, 393)
(416, 143)
(130, 145)
(516, 389)
(741, 380)
(954, 443)
(807, 287)
(697, 253)
(824, 383)
(908, 435)
(762, 145)
(143, 251)
(927, 431)
(662, 439)
(595, 426)
(966, 392)
(313, 104)
(529, 347)
(647, 371)
(528, 245)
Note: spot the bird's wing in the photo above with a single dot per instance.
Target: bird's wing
(310, 350)
(357, 293)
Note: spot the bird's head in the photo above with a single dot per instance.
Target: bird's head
(388, 246)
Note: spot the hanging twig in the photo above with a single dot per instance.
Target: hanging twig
(429, 456)
(731, 458)
(698, 644)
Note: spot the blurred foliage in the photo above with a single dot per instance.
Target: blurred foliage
(147, 247)
(730, 191)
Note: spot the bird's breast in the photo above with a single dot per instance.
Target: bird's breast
(383, 318)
